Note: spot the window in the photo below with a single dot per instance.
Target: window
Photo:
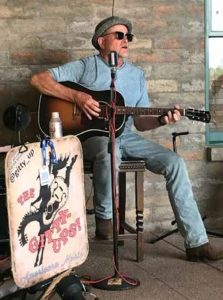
(214, 70)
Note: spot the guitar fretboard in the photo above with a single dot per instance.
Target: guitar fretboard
(128, 110)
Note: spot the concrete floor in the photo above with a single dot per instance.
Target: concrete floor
(163, 274)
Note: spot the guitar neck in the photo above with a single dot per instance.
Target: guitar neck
(128, 110)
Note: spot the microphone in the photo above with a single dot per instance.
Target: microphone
(113, 62)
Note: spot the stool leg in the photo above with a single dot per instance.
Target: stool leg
(122, 201)
(139, 199)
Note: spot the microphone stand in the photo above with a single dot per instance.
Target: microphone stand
(117, 281)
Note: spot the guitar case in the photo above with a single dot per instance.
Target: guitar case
(46, 209)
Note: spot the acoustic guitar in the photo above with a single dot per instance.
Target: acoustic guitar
(76, 123)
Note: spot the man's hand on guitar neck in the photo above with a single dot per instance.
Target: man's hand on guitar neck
(143, 123)
(171, 116)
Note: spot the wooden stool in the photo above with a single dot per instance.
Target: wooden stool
(138, 167)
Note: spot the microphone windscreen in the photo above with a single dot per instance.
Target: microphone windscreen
(113, 59)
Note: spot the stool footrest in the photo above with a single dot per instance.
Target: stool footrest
(128, 228)
(126, 236)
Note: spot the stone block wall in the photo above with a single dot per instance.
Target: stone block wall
(169, 45)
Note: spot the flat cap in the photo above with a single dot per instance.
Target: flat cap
(107, 23)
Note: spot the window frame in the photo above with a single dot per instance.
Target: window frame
(213, 137)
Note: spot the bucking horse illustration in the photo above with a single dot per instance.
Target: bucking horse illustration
(52, 198)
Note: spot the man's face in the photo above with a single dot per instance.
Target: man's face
(109, 42)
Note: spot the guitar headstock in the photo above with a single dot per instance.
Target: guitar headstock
(198, 115)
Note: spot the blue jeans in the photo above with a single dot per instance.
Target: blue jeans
(158, 160)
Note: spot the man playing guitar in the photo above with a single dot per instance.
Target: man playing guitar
(94, 73)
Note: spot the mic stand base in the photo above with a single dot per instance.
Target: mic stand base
(116, 283)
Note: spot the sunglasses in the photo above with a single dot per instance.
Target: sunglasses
(121, 35)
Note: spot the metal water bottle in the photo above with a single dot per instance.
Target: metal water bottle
(55, 126)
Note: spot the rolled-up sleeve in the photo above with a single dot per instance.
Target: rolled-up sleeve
(71, 71)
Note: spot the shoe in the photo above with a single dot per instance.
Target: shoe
(203, 253)
(104, 230)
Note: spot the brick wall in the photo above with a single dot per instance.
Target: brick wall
(169, 45)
